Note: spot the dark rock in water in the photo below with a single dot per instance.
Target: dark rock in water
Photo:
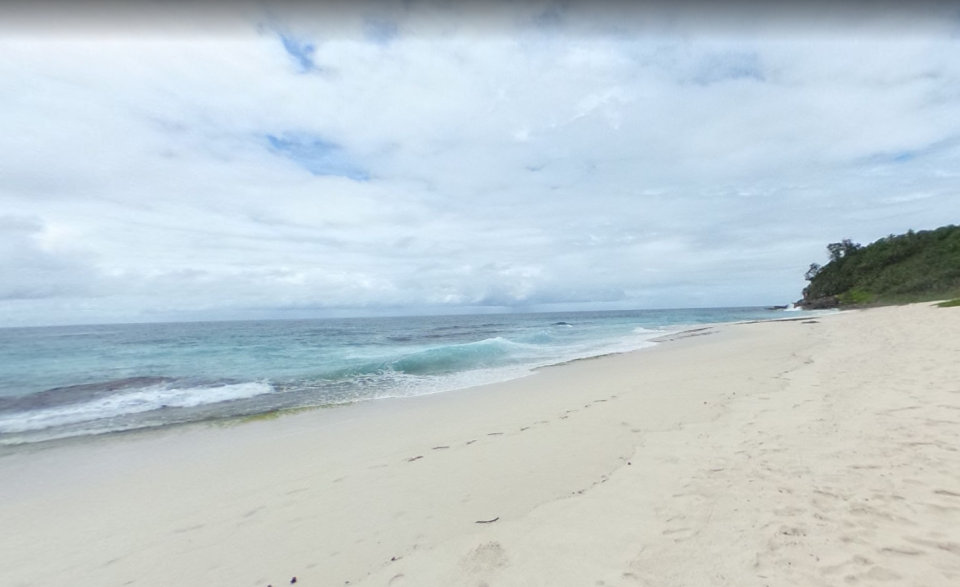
(562, 324)
(776, 308)
(824, 303)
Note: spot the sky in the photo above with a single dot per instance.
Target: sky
(166, 161)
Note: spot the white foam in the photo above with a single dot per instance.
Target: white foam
(398, 384)
(129, 402)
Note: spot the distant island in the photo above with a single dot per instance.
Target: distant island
(912, 267)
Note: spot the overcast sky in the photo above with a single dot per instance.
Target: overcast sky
(271, 161)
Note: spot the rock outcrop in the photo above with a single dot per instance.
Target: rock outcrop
(823, 303)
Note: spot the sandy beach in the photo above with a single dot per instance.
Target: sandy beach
(808, 452)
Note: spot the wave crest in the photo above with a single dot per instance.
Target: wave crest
(129, 402)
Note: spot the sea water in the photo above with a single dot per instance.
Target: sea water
(65, 381)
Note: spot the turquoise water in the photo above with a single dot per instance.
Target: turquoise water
(75, 380)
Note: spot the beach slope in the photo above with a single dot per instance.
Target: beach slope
(807, 452)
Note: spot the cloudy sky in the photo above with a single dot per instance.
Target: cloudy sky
(265, 161)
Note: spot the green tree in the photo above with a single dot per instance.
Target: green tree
(896, 268)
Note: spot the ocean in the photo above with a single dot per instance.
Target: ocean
(67, 381)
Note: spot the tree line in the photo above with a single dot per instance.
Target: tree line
(915, 266)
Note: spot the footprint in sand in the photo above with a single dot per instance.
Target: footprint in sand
(680, 534)
(485, 558)
(901, 550)
(951, 547)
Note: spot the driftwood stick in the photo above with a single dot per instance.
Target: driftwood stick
(488, 521)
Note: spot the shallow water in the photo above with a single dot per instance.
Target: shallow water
(66, 381)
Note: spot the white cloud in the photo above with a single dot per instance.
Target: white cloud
(414, 162)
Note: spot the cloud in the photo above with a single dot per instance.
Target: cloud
(316, 155)
(380, 30)
(542, 159)
(910, 154)
(717, 67)
(301, 52)
(34, 267)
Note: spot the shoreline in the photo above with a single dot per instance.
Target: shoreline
(671, 334)
(661, 467)
(229, 421)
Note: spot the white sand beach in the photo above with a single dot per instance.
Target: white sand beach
(767, 454)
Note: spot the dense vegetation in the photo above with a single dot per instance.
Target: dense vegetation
(910, 267)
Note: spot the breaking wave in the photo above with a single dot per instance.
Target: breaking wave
(129, 402)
